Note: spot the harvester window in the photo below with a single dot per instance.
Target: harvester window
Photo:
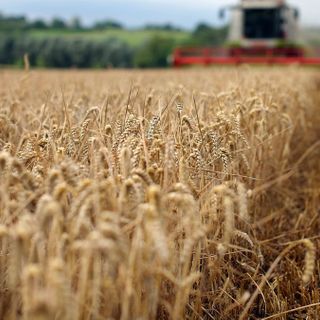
(263, 24)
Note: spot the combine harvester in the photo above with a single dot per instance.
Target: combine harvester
(261, 32)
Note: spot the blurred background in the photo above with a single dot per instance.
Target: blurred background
(119, 33)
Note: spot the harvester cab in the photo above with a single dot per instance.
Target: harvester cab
(260, 31)
(265, 23)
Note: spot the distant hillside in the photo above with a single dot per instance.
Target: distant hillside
(133, 38)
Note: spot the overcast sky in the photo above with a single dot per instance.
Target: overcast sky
(133, 13)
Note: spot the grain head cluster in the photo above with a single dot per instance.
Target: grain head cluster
(159, 195)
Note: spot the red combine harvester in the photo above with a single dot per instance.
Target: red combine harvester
(261, 32)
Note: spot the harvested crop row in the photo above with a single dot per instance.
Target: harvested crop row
(159, 195)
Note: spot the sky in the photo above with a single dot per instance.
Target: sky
(135, 13)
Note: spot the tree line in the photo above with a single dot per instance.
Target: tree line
(83, 52)
(21, 23)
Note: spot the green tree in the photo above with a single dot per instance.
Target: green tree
(107, 24)
(206, 35)
(58, 23)
(154, 53)
(163, 27)
(7, 44)
(13, 23)
(38, 24)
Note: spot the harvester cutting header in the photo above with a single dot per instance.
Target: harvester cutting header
(261, 31)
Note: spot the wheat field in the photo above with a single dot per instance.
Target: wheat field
(184, 194)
